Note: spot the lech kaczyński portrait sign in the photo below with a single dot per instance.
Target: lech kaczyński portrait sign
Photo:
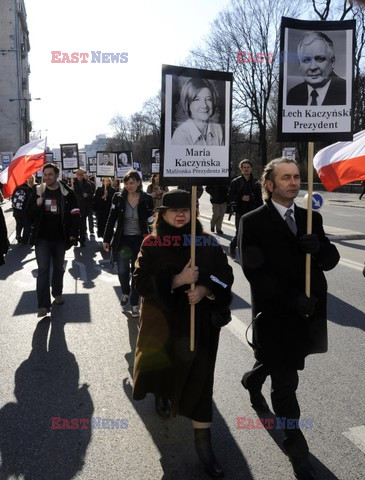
(316, 80)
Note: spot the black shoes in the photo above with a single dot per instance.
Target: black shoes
(220, 232)
(162, 406)
(258, 402)
(303, 470)
(257, 399)
(232, 252)
(203, 447)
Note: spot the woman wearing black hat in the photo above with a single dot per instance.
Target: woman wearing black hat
(164, 364)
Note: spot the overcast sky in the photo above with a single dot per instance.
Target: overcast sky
(78, 100)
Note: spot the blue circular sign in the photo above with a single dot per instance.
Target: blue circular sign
(317, 201)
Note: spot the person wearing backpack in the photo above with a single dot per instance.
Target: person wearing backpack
(19, 202)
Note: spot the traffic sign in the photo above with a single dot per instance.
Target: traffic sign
(317, 200)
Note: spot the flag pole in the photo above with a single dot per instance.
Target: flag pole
(309, 217)
(192, 256)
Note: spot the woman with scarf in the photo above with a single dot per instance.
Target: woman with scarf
(182, 380)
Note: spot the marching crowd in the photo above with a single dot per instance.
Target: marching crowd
(160, 279)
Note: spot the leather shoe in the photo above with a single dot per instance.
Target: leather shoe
(162, 406)
(257, 399)
(303, 470)
(258, 402)
(203, 447)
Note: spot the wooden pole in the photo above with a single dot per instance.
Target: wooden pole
(309, 217)
(192, 256)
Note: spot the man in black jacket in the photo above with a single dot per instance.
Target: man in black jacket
(244, 195)
(287, 324)
(218, 199)
(84, 193)
(4, 242)
(55, 213)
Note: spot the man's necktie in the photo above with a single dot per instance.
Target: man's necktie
(314, 96)
(290, 221)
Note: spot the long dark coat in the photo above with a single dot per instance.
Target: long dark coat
(101, 206)
(4, 242)
(274, 265)
(164, 364)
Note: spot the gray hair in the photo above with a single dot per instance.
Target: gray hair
(269, 174)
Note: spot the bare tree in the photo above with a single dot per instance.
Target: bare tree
(244, 39)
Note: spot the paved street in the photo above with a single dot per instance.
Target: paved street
(77, 365)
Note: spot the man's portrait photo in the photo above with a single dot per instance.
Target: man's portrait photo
(69, 156)
(105, 164)
(155, 155)
(123, 160)
(106, 160)
(316, 60)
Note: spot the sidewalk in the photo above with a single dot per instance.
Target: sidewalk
(330, 198)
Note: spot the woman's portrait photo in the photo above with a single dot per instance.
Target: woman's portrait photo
(198, 120)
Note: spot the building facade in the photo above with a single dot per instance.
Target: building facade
(15, 122)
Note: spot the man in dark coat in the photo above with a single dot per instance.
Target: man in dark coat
(55, 217)
(287, 324)
(4, 242)
(321, 85)
(244, 195)
(84, 193)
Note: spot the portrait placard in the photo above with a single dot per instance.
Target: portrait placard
(316, 80)
(138, 167)
(105, 164)
(124, 162)
(83, 160)
(196, 125)
(155, 160)
(70, 156)
(92, 165)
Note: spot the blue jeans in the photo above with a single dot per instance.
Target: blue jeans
(126, 257)
(47, 251)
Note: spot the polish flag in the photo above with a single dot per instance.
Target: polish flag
(28, 160)
(342, 162)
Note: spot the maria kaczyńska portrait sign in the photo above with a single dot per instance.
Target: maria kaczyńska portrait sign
(316, 80)
(196, 121)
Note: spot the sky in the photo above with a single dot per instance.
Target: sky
(78, 100)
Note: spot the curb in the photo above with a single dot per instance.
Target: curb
(331, 236)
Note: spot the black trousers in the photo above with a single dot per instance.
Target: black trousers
(233, 243)
(284, 383)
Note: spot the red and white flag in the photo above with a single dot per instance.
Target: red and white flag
(342, 162)
(28, 160)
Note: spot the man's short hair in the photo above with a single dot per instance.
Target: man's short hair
(245, 160)
(269, 174)
(51, 165)
(310, 37)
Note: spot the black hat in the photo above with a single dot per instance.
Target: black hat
(175, 199)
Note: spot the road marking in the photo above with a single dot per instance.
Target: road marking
(357, 436)
(354, 265)
(238, 328)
